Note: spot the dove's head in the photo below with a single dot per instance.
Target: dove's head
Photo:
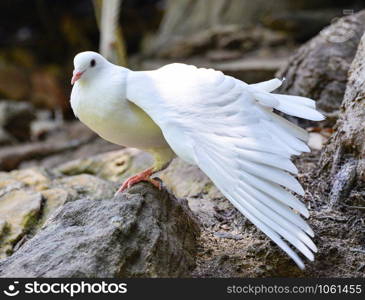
(86, 65)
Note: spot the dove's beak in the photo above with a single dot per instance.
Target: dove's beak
(76, 75)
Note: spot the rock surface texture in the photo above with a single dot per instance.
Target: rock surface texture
(342, 164)
(319, 68)
(141, 233)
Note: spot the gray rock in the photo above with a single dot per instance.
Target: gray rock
(142, 233)
(342, 164)
(29, 197)
(319, 68)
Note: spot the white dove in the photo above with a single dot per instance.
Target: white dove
(221, 124)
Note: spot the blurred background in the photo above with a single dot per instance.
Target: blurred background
(250, 40)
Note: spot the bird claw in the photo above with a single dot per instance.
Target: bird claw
(143, 176)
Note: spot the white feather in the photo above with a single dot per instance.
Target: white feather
(291, 106)
(290, 127)
(229, 130)
(289, 99)
(267, 86)
(277, 206)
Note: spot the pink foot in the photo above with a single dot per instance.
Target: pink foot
(143, 176)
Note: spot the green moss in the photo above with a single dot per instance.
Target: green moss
(4, 231)
(207, 187)
(31, 220)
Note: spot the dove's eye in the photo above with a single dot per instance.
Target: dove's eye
(92, 62)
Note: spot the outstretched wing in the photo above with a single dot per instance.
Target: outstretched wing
(228, 128)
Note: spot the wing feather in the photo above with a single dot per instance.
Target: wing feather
(229, 129)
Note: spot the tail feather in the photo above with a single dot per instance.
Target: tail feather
(290, 99)
(256, 179)
(297, 106)
(293, 129)
(290, 106)
(267, 86)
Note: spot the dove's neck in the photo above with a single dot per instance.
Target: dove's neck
(100, 91)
